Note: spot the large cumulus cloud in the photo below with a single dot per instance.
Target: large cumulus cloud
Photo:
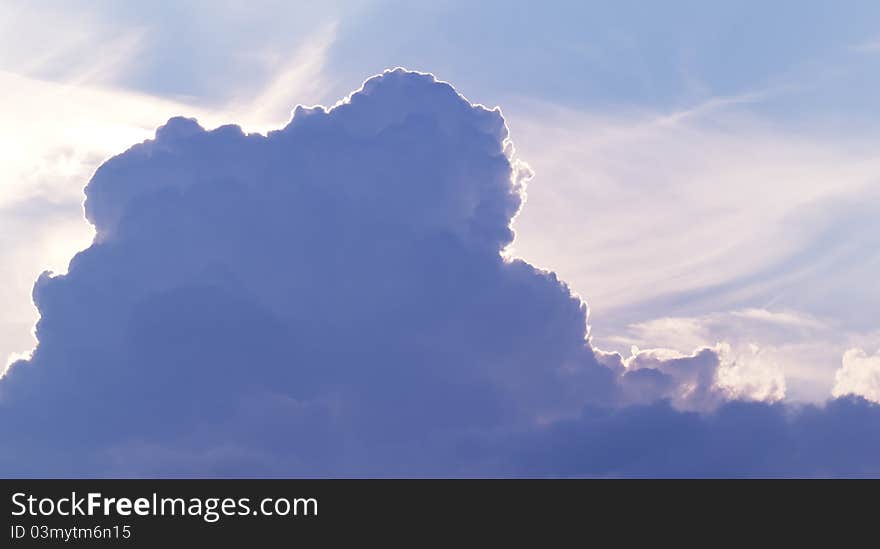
(332, 299)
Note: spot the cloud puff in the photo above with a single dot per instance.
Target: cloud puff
(859, 375)
(701, 381)
(332, 299)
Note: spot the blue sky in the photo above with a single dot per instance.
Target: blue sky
(704, 174)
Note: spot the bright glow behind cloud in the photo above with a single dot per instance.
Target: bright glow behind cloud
(58, 132)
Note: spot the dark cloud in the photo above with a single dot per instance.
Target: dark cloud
(331, 299)
(739, 439)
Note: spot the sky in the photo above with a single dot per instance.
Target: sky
(614, 221)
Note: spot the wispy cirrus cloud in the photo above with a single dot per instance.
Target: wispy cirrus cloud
(869, 46)
(717, 215)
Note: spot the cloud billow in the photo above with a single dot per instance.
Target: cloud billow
(331, 299)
